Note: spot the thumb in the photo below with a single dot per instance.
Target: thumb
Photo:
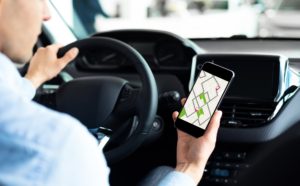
(69, 56)
(175, 115)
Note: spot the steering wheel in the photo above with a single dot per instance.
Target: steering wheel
(109, 103)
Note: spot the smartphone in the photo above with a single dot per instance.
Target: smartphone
(204, 98)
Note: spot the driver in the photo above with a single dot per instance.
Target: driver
(40, 146)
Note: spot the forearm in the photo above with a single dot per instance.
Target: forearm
(36, 82)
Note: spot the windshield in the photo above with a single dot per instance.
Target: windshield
(187, 18)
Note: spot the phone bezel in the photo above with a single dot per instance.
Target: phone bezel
(215, 70)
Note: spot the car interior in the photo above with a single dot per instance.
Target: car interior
(126, 83)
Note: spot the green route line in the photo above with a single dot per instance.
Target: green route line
(182, 113)
(202, 96)
(200, 112)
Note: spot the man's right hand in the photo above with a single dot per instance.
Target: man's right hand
(193, 153)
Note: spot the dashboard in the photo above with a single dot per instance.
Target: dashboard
(162, 50)
(259, 106)
(254, 97)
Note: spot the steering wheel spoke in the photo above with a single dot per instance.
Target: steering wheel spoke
(128, 100)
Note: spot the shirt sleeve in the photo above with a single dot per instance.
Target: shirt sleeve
(40, 146)
(167, 176)
(176, 178)
(80, 162)
(28, 89)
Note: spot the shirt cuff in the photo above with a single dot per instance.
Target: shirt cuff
(175, 178)
(28, 88)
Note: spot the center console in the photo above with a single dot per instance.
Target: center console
(252, 102)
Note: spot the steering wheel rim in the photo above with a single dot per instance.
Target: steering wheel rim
(148, 94)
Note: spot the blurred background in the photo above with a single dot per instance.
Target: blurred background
(188, 18)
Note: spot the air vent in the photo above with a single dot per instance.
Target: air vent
(246, 114)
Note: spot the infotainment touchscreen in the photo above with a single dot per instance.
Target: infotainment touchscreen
(261, 70)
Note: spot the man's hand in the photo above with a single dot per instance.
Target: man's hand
(45, 65)
(193, 153)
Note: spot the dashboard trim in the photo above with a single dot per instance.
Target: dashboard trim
(285, 119)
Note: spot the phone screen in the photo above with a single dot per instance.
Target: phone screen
(203, 99)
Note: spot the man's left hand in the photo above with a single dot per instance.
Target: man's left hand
(45, 65)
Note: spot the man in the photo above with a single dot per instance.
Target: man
(87, 11)
(39, 146)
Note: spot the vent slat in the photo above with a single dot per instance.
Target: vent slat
(245, 114)
(249, 107)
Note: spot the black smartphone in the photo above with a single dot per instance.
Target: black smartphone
(205, 97)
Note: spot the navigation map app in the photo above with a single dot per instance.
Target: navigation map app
(203, 99)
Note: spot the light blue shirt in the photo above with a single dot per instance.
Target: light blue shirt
(39, 146)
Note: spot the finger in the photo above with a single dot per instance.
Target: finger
(214, 124)
(69, 56)
(175, 115)
(183, 100)
(54, 47)
(59, 45)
